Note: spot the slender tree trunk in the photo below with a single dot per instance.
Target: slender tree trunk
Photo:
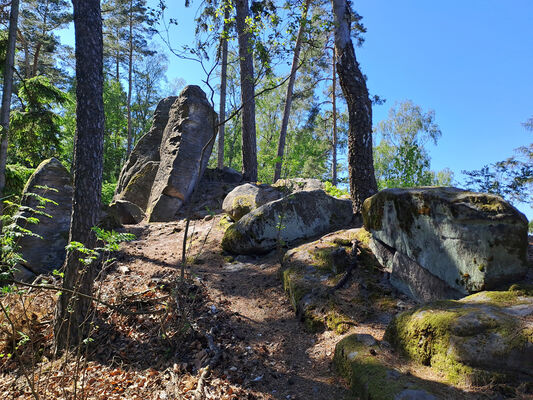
(290, 90)
(361, 166)
(73, 312)
(334, 115)
(249, 147)
(223, 79)
(130, 80)
(6, 95)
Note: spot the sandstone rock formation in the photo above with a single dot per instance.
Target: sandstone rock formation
(138, 174)
(245, 198)
(168, 161)
(45, 252)
(479, 339)
(185, 150)
(122, 212)
(249, 196)
(446, 242)
(299, 216)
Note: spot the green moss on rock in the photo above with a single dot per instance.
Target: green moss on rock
(447, 334)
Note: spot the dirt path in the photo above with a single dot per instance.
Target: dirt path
(266, 351)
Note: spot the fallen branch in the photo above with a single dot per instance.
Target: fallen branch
(348, 274)
(118, 308)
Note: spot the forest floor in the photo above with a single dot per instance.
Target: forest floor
(261, 349)
(231, 314)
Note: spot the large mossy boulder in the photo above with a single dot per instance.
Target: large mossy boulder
(482, 338)
(464, 241)
(311, 271)
(45, 251)
(184, 152)
(366, 365)
(138, 174)
(245, 198)
(301, 215)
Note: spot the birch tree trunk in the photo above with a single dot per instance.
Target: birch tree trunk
(73, 311)
(290, 90)
(360, 160)
(7, 91)
(249, 146)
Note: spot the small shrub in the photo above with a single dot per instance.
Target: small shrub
(108, 190)
(334, 191)
(16, 177)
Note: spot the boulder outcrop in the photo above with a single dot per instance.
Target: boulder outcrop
(46, 251)
(185, 149)
(482, 338)
(138, 174)
(443, 242)
(250, 196)
(245, 198)
(301, 215)
(169, 160)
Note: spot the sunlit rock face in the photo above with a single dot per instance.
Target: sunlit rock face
(443, 242)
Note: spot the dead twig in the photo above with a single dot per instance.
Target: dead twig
(118, 308)
(349, 271)
(217, 353)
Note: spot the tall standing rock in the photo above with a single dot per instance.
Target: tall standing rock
(138, 174)
(184, 153)
(45, 252)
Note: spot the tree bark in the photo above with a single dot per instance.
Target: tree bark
(249, 147)
(334, 115)
(290, 90)
(130, 80)
(73, 312)
(6, 95)
(223, 80)
(360, 160)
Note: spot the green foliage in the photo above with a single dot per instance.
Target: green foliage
(335, 191)
(36, 127)
(16, 177)
(14, 229)
(511, 178)
(401, 159)
(530, 227)
(108, 190)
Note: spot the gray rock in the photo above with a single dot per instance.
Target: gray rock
(417, 282)
(138, 174)
(301, 215)
(184, 153)
(45, 253)
(298, 184)
(470, 241)
(225, 175)
(125, 213)
(245, 198)
(482, 335)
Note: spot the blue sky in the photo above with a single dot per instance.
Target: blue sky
(470, 61)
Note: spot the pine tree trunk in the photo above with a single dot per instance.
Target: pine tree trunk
(130, 80)
(7, 91)
(360, 160)
(73, 312)
(290, 90)
(334, 116)
(223, 80)
(249, 147)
